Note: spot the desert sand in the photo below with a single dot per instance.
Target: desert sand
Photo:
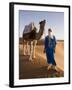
(38, 68)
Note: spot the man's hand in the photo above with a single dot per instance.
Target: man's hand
(54, 50)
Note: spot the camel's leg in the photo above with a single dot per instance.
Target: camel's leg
(34, 45)
(23, 48)
(31, 47)
(27, 48)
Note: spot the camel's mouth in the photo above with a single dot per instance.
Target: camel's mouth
(44, 21)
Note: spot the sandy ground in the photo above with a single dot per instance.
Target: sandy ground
(38, 68)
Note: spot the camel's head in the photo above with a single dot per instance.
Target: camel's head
(42, 24)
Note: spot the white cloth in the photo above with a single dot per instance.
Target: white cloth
(51, 36)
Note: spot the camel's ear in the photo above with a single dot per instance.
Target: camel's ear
(45, 21)
(39, 22)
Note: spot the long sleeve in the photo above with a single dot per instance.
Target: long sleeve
(55, 42)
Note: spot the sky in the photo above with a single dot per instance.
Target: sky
(54, 20)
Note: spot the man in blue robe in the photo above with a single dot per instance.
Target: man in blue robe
(50, 44)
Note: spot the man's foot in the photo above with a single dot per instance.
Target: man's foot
(49, 66)
(55, 68)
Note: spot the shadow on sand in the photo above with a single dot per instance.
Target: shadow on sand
(33, 69)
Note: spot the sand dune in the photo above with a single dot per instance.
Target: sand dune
(37, 69)
(59, 55)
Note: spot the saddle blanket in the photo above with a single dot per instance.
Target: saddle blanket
(29, 28)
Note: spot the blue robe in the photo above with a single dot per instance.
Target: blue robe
(50, 44)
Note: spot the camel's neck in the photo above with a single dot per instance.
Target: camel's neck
(40, 33)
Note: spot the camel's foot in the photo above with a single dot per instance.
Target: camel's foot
(31, 60)
(33, 57)
(24, 54)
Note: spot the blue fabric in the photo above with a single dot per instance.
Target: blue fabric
(50, 49)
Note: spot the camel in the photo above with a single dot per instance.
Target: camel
(32, 38)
